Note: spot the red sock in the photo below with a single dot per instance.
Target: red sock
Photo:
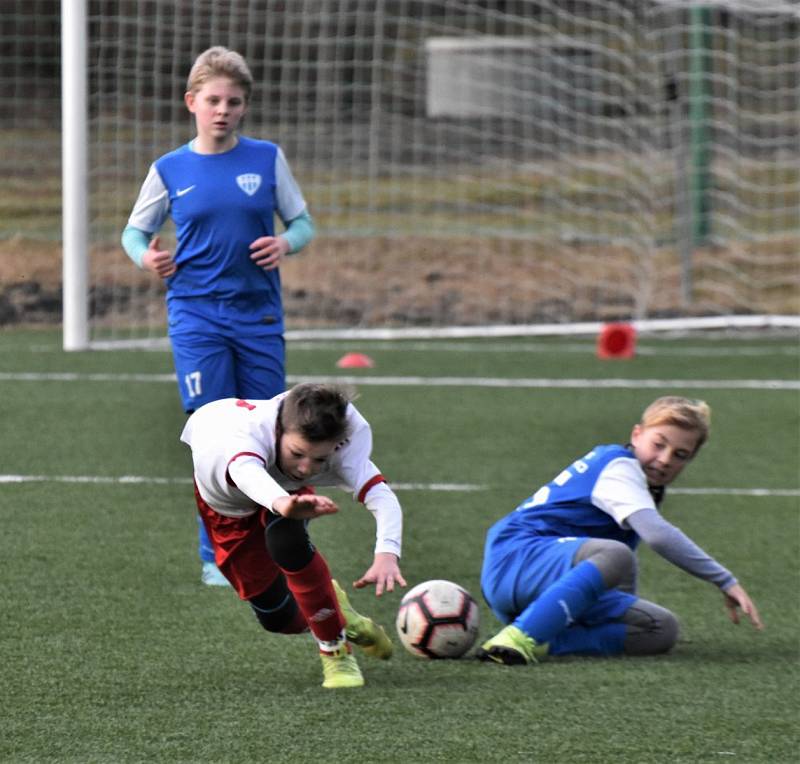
(298, 625)
(313, 592)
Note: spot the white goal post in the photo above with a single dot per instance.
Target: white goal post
(469, 165)
(75, 178)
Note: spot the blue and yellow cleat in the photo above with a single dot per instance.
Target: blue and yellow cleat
(511, 647)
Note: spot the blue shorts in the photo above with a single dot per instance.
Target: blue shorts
(223, 349)
(516, 570)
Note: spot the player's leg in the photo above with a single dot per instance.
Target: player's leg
(204, 367)
(618, 622)
(362, 630)
(553, 599)
(204, 364)
(600, 631)
(309, 581)
(615, 561)
(210, 574)
(307, 576)
(599, 565)
(276, 609)
(260, 366)
(650, 629)
(532, 586)
(245, 560)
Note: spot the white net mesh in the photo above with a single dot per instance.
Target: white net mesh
(466, 163)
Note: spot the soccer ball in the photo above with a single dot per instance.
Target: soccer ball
(437, 619)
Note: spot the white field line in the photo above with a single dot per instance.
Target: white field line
(448, 487)
(415, 381)
(543, 382)
(583, 348)
(146, 480)
(586, 347)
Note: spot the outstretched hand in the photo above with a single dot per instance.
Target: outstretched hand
(736, 597)
(384, 573)
(304, 506)
(157, 260)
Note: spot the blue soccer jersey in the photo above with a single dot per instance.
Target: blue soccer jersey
(533, 547)
(590, 498)
(220, 204)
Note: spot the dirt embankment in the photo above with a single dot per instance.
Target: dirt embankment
(418, 281)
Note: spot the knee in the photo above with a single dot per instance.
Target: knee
(288, 544)
(615, 561)
(275, 608)
(651, 629)
(666, 635)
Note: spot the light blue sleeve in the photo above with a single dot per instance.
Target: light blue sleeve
(135, 242)
(289, 202)
(299, 232)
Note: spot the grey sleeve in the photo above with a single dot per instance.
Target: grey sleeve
(676, 547)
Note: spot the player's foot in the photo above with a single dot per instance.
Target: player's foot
(512, 647)
(363, 631)
(212, 576)
(340, 669)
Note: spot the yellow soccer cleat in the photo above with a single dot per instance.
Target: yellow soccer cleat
(363, 631)
(511, 647)
(340, 669)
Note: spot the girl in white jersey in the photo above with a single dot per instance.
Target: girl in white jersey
(256, 463)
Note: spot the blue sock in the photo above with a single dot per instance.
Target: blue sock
(204, 547)
(562, 603)
(605, 639)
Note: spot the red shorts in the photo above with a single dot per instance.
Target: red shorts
(240, 549)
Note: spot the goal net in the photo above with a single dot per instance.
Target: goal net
(467, 164)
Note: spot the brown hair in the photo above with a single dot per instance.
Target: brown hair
(220, 62)
(317, 412)
(686, 413)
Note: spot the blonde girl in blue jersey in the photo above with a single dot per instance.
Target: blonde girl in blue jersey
(560, 570)
(223, 191)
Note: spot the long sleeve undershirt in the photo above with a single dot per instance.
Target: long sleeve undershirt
(250, 477)
(248, 474)
(299, 232)
(676, 547)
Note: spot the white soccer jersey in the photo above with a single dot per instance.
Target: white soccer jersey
(222, 431)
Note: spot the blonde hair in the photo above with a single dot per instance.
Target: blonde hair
(220, 62)
(686, 413)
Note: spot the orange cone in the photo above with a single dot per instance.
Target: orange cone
(355, 361)
(616, 341)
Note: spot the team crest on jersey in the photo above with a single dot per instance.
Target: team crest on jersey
(249, 182)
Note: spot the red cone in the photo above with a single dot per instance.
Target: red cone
(616, 341)
(355, 361)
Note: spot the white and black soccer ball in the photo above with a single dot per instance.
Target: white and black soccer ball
(438, 619)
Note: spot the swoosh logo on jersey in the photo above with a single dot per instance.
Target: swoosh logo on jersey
(249, 182)
(182, 191)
